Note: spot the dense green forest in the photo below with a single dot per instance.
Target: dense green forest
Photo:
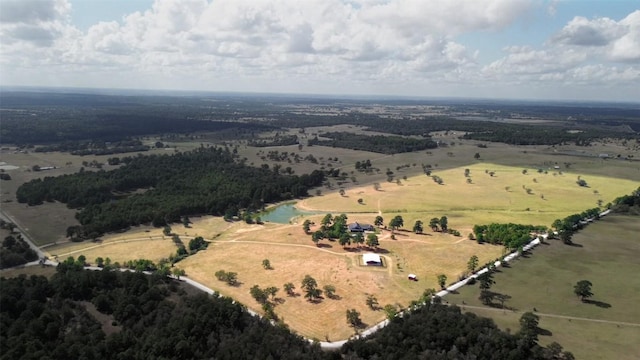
(440, 332)
(149, 317)
(159, 189)
(376, 143)
(48, 118)
(153, 317)
(15, 251)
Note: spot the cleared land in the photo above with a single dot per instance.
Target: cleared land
(241, 248)
(607, 255)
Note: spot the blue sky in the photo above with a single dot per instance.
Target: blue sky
(532, 49)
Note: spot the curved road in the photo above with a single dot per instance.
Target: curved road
(335, 344)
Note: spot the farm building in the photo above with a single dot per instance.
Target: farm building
(356, 227)
(372, 259)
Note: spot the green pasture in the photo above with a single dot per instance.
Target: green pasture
(605, 253)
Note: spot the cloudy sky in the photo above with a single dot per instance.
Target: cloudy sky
(530, 49)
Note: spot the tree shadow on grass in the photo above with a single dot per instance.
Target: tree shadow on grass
(325, 245)
(574, 245)
(597, 303)
(544, 332)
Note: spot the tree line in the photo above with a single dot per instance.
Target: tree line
(510, 235)
(374, 143)
(202, 181)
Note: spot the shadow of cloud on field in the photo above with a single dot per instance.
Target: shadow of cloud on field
(597, 303)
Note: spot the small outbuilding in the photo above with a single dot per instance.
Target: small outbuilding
(413, 277)
(372, 259)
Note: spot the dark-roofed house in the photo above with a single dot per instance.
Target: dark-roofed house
(356, 227)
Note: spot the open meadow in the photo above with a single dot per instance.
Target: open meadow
(509, 195)
(608, 325)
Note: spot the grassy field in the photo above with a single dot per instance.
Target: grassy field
(498, 198)
(607, 255)
(241, 248)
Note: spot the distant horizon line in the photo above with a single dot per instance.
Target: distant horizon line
(327, 96)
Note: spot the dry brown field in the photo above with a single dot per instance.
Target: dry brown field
(241, 248)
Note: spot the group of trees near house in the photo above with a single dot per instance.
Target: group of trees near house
(202, 181)
(443, 332)
(510, 235)
(374, 143)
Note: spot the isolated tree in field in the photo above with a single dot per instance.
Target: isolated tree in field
(353, 318)
(583, 289)
(309, 282)
(166, 230)
(376, 186)
(442, 281)
(330, 291)
(313, 294)
(99, 262)
(434, 223)
(391, 311)
(443, 223)
(378, 221)
(341, 192)
(266, 264)
(289, 288)
(306, 226)
(529, 327)
(271, 291)
(258, 294)
(524, 172)
(372, 302)
(472, 264)
(469, 181)
(372, 241)
(476, 156)
(396, 222)
(417, 227)
(467, 172)
(486, 281)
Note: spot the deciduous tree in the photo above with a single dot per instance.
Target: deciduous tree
(583, 289)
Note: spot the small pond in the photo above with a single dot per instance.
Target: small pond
(282, 214)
